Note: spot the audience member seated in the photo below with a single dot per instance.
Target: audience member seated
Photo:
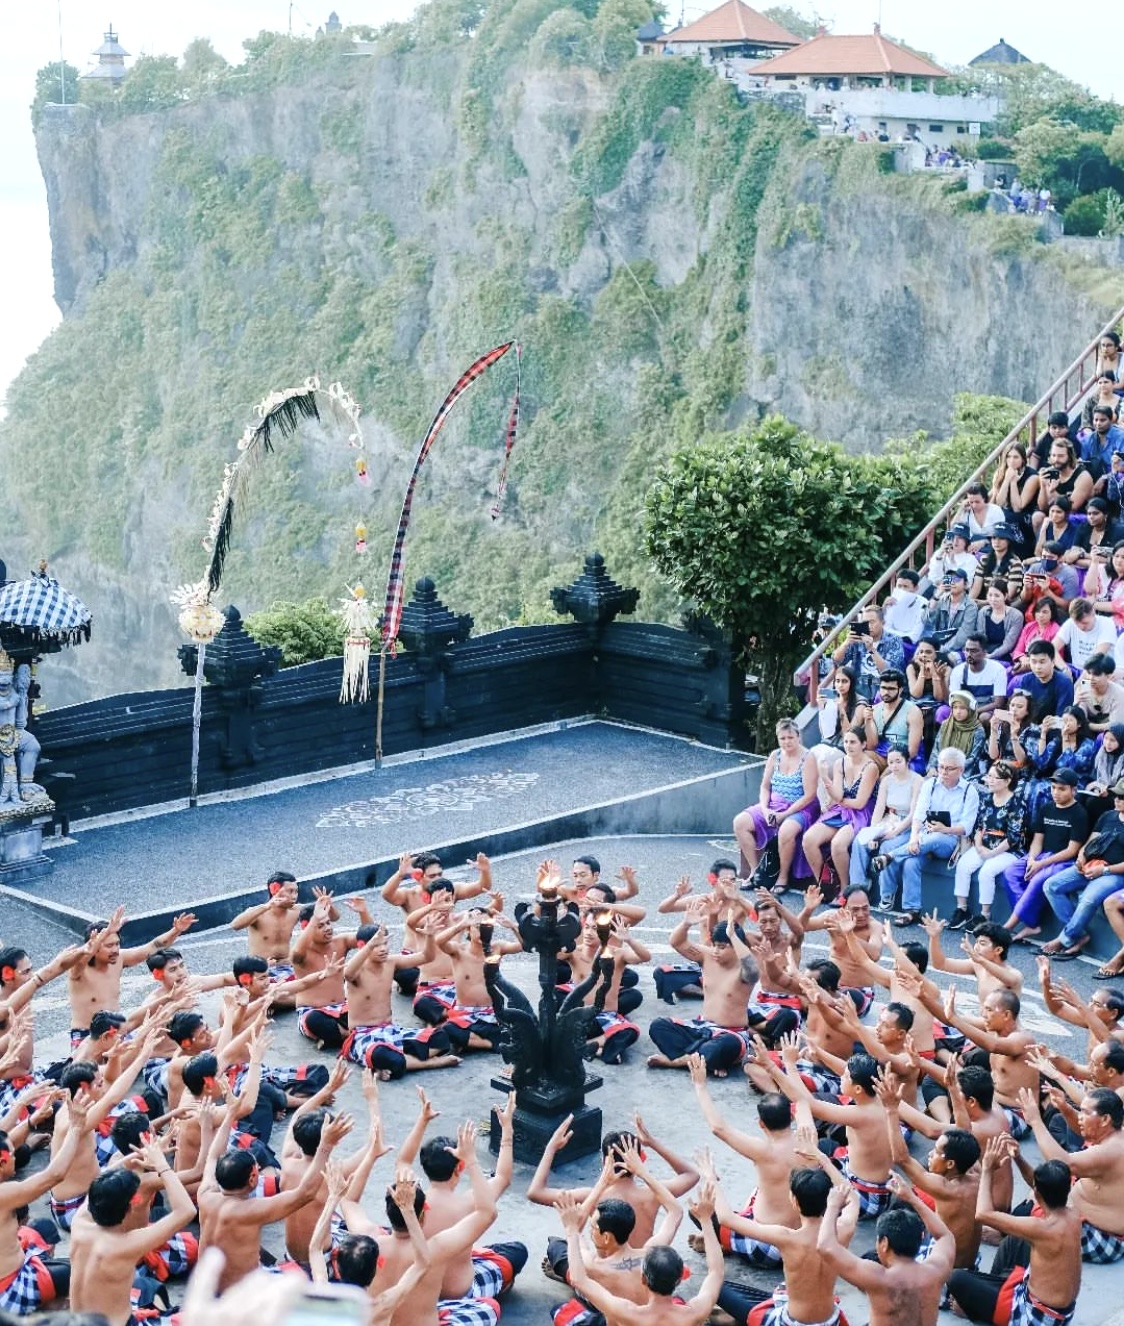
(927, 675)
(1058, 428)
(788, 804)
(1058, 828)
(1100, 696)
(1085, 633)
(953, 617)
(894, 719)
(1059, 527)
(952, 555)
(980, 515)
(905, 611)
(1095, 537)
(997, 844)
(1076, 894)
(1014, 489)
(961, 731)
(868, 649)
(838, 713)
(1063, 476)
(849, 787)
(1103, 393)
(1104, 584)
(1098, 445)
(1050, 687)
(982, 677)
(1064, 742)
(1013, 735)
(898, 789)
(1044, 622)
(999, 624)
(1001, 563)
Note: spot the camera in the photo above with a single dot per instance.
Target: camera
(1049, 472)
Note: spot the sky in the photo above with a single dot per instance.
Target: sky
(953, 31)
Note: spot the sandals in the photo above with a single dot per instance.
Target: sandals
(1108, 973)
(1069, 954)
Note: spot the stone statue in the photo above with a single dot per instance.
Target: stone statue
(19, 750)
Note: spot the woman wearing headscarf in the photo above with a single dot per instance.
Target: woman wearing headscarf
(1108, 770)
(962, 731)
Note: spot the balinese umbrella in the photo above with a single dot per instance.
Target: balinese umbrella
(45, 614)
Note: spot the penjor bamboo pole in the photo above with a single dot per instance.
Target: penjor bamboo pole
(379, 708)
(196, 721)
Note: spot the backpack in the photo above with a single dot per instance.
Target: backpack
(768, 869)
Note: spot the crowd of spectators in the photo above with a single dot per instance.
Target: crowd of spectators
(975, 716)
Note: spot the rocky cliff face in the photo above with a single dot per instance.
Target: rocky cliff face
(670, 261)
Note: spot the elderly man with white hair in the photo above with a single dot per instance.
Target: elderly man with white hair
(946, 811)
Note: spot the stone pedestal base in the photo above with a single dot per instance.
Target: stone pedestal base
(534, 1124)
(21, 841)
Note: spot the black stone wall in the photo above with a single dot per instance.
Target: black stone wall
(260, 722)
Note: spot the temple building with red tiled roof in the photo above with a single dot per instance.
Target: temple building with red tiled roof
(731, 33)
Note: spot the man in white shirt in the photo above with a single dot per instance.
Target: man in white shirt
(946, 811)
(905, 611)
(1097, 693)
(1086, 633)
(985, 679)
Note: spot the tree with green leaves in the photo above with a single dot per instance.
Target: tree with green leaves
(766, 529)
(792, 20)
(54, 84)
(154, 83)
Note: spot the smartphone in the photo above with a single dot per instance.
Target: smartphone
(329, 1305)
(861, 628)
(829, 693)
(943, 817)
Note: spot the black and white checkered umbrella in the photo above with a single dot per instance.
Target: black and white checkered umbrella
(43, 610)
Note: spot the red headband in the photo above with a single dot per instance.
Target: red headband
(7, 973)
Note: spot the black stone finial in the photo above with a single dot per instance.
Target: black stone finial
(427, 625)
(234, 658)
(594, 598)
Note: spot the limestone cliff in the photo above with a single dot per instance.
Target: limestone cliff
(671, 262)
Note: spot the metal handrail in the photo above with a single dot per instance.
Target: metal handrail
(1064, 389)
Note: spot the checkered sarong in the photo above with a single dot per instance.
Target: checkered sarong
(575, 1313)
(874, 1198)
(492, 1274)
(772, 1313)
(336, 1011)
(174, 1258)
(468, 1312)
(814, 1076)
(1026, 1310)
(1100, 1247)
(1016, 1124)
(280, 972)
(11, 1088)
(755, 1249)
(24, 1291)
(63, 1209)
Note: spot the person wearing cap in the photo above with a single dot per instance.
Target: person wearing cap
(953, 618)
(1014, 489)
(1085, 634)
(1000, 562)
(870, 654)
(943, 818)
(980, 515)
(1058, 829)
(905, 610)
(1076, 893)
(951, 554)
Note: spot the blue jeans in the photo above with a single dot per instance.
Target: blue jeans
(1076, 917)
(906, 867)
(862, 850)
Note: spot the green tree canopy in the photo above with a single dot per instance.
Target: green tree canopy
(792, 20)
(154, 82)
(766, 529)
(52, 88)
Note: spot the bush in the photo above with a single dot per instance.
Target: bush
(303, 631)
(1084, 216)
(991, 149)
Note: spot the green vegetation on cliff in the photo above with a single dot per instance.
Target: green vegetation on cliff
(381, 219)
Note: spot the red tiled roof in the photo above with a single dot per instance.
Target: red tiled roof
(734, 21)
(829, 55)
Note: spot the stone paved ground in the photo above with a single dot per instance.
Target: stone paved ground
(665, 1099)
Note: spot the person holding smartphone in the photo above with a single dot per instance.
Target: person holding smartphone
(946, 813)
(868, 649)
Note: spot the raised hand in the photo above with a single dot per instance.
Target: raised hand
(932, 924)
(806, 1148)
(404, 1189)
(889, 1090)
(702, 1208)
(335, 1130)
(466, 1142)
(569, 1211)
(682, 886)
(813, 897)
(640, 1128)
(338, 1078)
(704, 1163)
(1028, 1103)
(183, 923)
(426, 1107)
(696, 1065)
(562, 1136)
